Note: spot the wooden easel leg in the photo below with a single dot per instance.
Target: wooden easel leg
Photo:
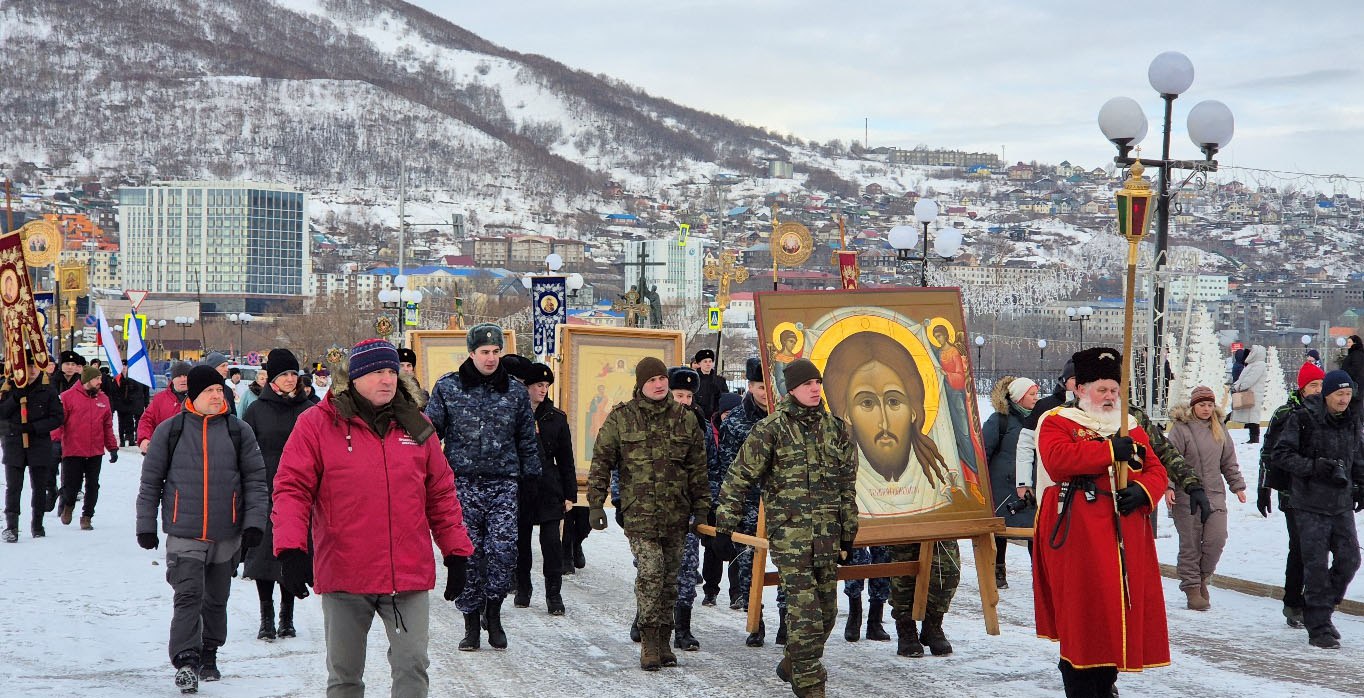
(755, 588)
(921, 579)
(984, 546)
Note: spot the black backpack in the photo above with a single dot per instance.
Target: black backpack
(177, 427)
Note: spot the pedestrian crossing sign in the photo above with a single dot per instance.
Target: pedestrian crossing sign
(713, 318)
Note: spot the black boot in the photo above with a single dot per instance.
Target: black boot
(757, 639)
(568, 558)
(267, 621)
(286, 617)
(1001, 577)
(208, 665)
(634, 629)
(554, 600)
(781, 626)
(852, 631)
(708, 600)
(874, 629)
(933, 636)
(579, 560)
(684, 640)
(522, 599)
(187, 671)
(472, 627)
(908, 633)
(492, 615)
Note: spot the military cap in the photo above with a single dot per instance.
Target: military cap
(482, 335)
(539, 373)
(753, 369)
(72, 357)
(683, 378)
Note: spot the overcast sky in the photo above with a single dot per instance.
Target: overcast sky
(1027, 78)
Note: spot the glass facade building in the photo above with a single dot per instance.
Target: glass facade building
(214, 238)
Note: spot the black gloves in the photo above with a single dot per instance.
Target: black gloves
(1262, 502)
(1133, 497)
(596, 518)
(454, 581)
(26, 428)
(1199, 504)
(148, 541)
(298, 573)
(251, 537)
(1127, 451)
(846, 548)
(722, 545)
(1331, 471)
(113, 456)
(620, 516)
(1359, 498)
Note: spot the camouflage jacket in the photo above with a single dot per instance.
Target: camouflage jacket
(660, 452)
(1181, 474)
(805, 461)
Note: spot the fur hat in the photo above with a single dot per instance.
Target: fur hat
(647, 368)
(753, 369)
(704, 354)
(71, 357)
(407, 356)
(799, 371)
(1097, 363)
(539, 373)
(483, 334)
(683, 378)
(516, 365)
(1308, 373)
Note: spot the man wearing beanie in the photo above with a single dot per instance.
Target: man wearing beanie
(371, 525)
(652, 441)
(1310, 377)
(28, 414)
(204, 471)
(1321, 448)
(733, 432)
(219, 362)
(164, 405)
(87, 431)
(486, 422)
(804, 460)
(711, 384)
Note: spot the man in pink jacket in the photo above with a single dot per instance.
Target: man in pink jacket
(164, 405)
(364, 471)
(87, 431)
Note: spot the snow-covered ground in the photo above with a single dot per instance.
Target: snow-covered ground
(87, 614)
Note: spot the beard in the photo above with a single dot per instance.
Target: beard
(1106, 412)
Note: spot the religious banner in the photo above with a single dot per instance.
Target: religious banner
(18, 312)
(847, 269)
(548, 293)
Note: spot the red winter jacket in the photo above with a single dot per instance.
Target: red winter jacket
(373, 504)
(87, 428)
(165, 405)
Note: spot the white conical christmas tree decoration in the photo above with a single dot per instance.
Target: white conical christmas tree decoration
(1275, 392)
(1204, 363)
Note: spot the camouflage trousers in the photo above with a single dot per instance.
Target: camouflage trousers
(490, 508)
(690, 573)
(742, 564)
(656, 565)
(811, 611)
(942, 580)
(880, 586)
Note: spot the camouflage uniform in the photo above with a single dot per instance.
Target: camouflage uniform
(942, 580)
(662, 469)
(488, 517)
(806, 464)
(1181, 474)
(880, 586)
(690, 573)
(734, 431)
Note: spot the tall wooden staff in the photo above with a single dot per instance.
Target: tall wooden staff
(1134, 220)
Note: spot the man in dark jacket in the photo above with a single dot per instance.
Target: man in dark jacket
(213, 501)
(1320, 446)
(28, 415)
(712, 384)
(1353, 363)
(733, 432)
(486, 423)
(1310, 377)
(682, 383)
(553, 495)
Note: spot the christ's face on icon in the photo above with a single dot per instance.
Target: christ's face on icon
(881, 417)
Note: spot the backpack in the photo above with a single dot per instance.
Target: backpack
(234, 430)
(1277, 478)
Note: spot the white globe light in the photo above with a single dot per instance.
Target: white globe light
(1070, 312)
(1340, 342)
(926, 210)
(1306, 339)
(1086, 310)
(574, 281)
(948, 242)
(1041, 344)
(231, 317)
(1211, 123)
(525, 281)
(980, 340)
(554, 262)
(1170, 73)
(400, 281)
(904, 237)
(417, 296)
(1121, 118)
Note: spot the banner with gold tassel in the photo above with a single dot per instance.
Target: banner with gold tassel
(18, 313)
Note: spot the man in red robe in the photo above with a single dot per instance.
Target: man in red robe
(1097, 587)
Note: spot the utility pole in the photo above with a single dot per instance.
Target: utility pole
(402, 220)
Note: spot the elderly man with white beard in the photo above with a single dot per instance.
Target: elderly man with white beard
(1096, 582)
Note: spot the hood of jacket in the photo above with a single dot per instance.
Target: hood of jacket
(1257, 353)
(999, 396)
(341, 406)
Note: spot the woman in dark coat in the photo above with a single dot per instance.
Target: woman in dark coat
(272, 417)
(1353, 363)
(545, 502)
(1013, 400)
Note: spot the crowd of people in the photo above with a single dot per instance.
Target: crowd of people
(309, 482)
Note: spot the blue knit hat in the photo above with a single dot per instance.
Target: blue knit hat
(1336, 380)
(372, 355)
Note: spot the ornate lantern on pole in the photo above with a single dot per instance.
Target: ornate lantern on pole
(1134, 220)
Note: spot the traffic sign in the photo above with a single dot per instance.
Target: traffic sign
(253, 358)
(89, 320)
(137, 297)
(141, 326)
(713, 318)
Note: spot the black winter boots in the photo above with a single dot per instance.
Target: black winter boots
(908, 632)
(874, 629)
(473, 626)
(522, 599)
(554, 600)
(286, 617)
(683, 639)
(1001, 577)
(267, 621)
(933, 636)
(781, 626)
(187, 671)
(492, 619)
(208, 665)
(852, 632)
(758, 638)
(635, 632)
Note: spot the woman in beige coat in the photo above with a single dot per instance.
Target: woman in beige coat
(1197, 431)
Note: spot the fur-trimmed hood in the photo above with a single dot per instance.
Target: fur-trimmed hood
(999, 396)
(1184, 412)
(406, 385)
